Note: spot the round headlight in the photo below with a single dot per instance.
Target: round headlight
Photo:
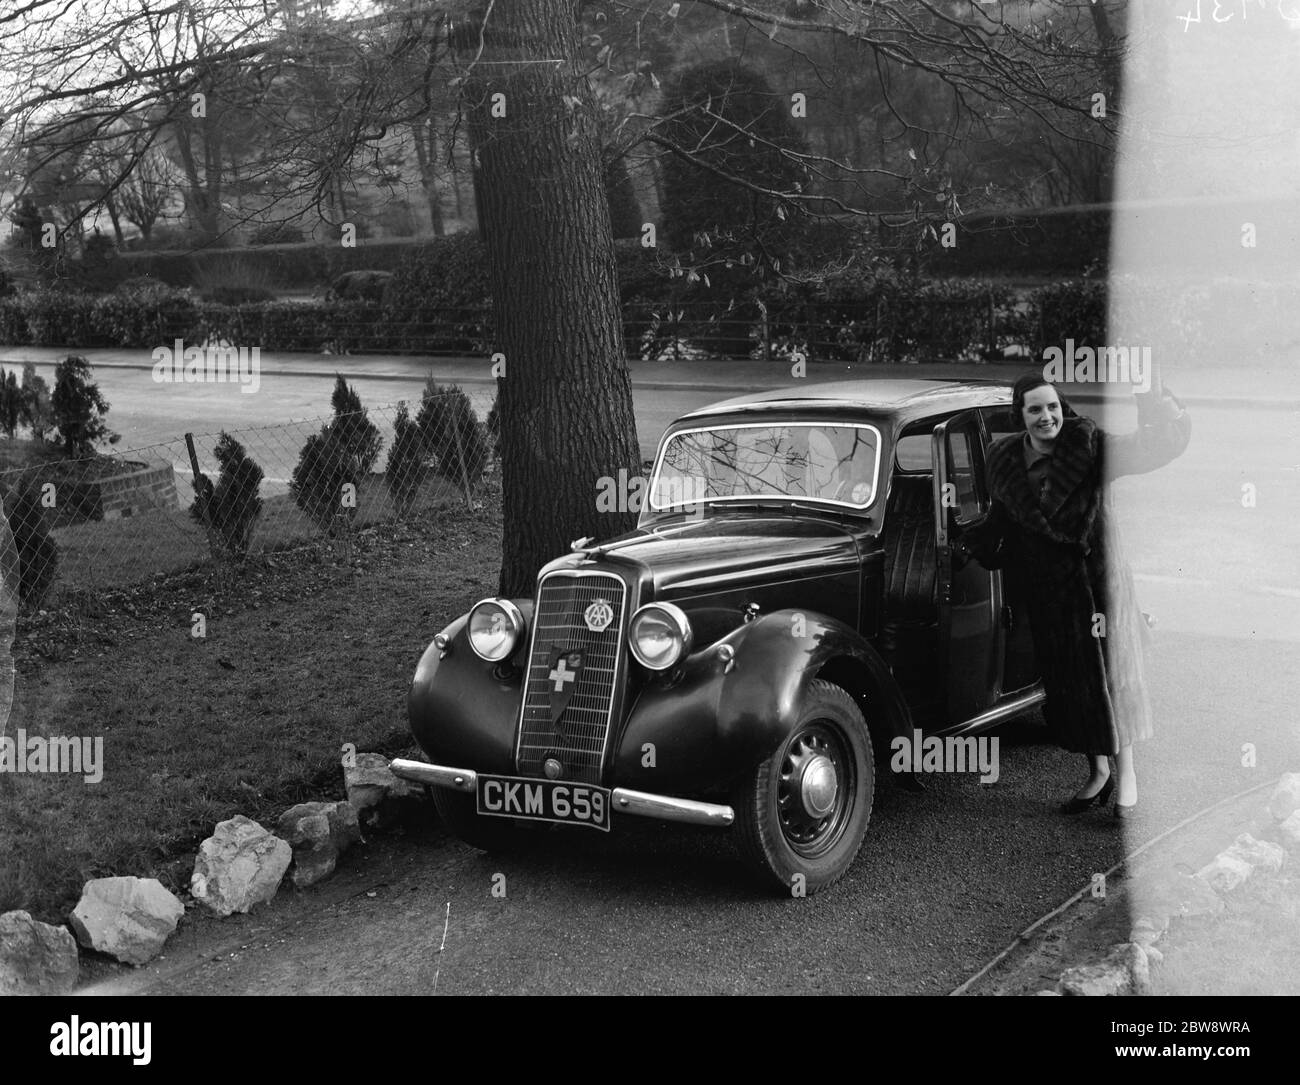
(494, 629)
(659, 636)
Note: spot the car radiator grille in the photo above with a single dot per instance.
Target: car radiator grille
(579, 737)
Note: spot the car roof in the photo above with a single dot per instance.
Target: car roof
(901, 400)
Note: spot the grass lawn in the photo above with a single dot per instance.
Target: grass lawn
(101, 555)
(303, 652)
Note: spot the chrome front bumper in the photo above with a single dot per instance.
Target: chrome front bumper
(639, 803)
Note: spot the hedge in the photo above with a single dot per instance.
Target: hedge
(883, 319)
(1052, 241)
(299, 265)
(436, 306)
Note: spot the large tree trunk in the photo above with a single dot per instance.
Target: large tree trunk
(566, 401)
(476, 187)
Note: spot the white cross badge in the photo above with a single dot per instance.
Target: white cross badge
(561, 674)
(565, 666)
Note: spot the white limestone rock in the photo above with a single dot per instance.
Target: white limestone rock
(319, 832)
(372, 787)
(1285, 799)
(1224, 873)
(1123, 971)
(239, 865)
(1289, 832)
(127, 918)
(1146, 932)
(1257, 854)
(36, 958)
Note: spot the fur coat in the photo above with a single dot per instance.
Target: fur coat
(1065, 561)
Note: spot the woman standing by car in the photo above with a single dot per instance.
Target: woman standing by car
(1049, 527)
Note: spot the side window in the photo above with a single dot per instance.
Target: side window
(965, 472)
(997, 420)
(912, 452)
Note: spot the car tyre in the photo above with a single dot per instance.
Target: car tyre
(459, 814)
(802, 814)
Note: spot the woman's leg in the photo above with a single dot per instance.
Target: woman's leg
(1128, 785)
(1098, 774)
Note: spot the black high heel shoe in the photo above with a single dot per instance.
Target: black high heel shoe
(1124, 811)
(1077, 805)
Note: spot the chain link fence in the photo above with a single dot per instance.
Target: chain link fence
(114, 520)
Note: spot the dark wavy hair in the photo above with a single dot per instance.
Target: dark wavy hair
(1026, 384)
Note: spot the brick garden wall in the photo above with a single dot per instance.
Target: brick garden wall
(150, 485)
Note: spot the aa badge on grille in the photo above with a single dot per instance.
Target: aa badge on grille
(599, 615)
(565, 666)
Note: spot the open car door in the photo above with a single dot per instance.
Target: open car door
(970, 632)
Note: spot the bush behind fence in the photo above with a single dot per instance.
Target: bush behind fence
(112, 521)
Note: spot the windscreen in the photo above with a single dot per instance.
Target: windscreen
(809, 461)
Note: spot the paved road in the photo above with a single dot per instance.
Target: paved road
(296, 386)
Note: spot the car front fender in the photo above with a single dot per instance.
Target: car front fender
(700, 732)
(464, 711)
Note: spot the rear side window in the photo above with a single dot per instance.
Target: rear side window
(912, 452)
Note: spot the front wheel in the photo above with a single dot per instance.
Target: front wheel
(802, 814)
(459, 814)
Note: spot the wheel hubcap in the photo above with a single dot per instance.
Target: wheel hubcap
(818, 786)
(815, 789)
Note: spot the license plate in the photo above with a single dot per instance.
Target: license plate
(544, 800)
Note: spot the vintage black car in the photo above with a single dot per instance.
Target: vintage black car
(788, 604)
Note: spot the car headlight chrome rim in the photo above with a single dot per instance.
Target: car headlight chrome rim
(659, 636)
(495, 628)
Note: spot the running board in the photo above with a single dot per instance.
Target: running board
(997, 714)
